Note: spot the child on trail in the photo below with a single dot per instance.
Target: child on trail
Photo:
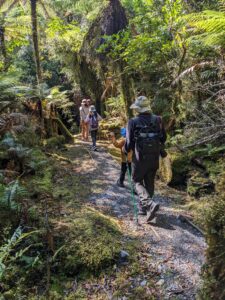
(125, 159)
(93, 119)
(84, 111)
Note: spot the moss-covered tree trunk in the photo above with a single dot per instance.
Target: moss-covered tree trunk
(3, 49)
(94, 65)
(126, 87)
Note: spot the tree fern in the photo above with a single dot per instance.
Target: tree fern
(208, 26)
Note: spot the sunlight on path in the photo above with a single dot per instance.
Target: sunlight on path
(177, 249)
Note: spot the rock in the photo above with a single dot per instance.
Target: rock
(143, 283)
(160, 268)
(124, 254)
(123, 258)
(160, 282)
(180, 169)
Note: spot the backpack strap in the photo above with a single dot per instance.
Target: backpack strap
(157, 120)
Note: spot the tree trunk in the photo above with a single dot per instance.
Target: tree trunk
(3, 49)
(33, 4)
(128, 95)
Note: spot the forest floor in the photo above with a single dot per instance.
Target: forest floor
(171, 251)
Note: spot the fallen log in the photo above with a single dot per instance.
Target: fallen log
(58, 157)
(69, 137)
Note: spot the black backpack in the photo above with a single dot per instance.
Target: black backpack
(147, 138)
(94, 121)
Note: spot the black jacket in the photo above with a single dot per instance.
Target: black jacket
(143, 119)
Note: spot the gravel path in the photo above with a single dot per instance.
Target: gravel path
(176, 248)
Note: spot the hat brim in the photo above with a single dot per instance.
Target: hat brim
(140, 109)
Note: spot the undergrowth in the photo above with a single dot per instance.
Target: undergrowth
(73, 239)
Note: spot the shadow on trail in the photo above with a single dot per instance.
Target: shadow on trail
(164, 221)
(168, 221)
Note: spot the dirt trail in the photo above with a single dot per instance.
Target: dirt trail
(177, 249)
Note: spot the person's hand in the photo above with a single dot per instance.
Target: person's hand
(112, 135)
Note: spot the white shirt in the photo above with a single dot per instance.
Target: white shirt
(84, 111)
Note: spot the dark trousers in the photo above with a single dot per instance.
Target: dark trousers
(94, 137)
(123, 170)
(144, 180)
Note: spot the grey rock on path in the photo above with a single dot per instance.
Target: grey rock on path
(177, 249)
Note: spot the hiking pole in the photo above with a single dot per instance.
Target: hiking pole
(135, 212)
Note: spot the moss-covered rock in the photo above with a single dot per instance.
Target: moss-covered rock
(199, 185)
(92, 242)
(180, 169)
(56, 142)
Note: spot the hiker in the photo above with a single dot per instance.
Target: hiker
(93, 119)
(145, 136)
(125, 159)
(84, 111)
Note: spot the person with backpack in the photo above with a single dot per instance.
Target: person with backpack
(93, 119)
(84, 111)
(125, 159)
(145, 136)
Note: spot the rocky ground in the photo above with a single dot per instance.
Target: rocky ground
(176, 248)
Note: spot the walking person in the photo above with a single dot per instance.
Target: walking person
(125, 159)
(145, 136)
(92, 120)
(84, 111)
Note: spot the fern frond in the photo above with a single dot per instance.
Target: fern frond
(208, 26)
(8, 141)
(6, 5)
(6, 249)
(13, 192)
(191, 70)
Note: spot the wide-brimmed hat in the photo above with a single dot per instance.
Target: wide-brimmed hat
(141, 104)
(92, 108)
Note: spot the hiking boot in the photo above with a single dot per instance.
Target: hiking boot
(142, 211)
(120, 184)
(152, 211)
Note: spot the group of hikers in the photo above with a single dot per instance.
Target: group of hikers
(141, 145)
(89, 121)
